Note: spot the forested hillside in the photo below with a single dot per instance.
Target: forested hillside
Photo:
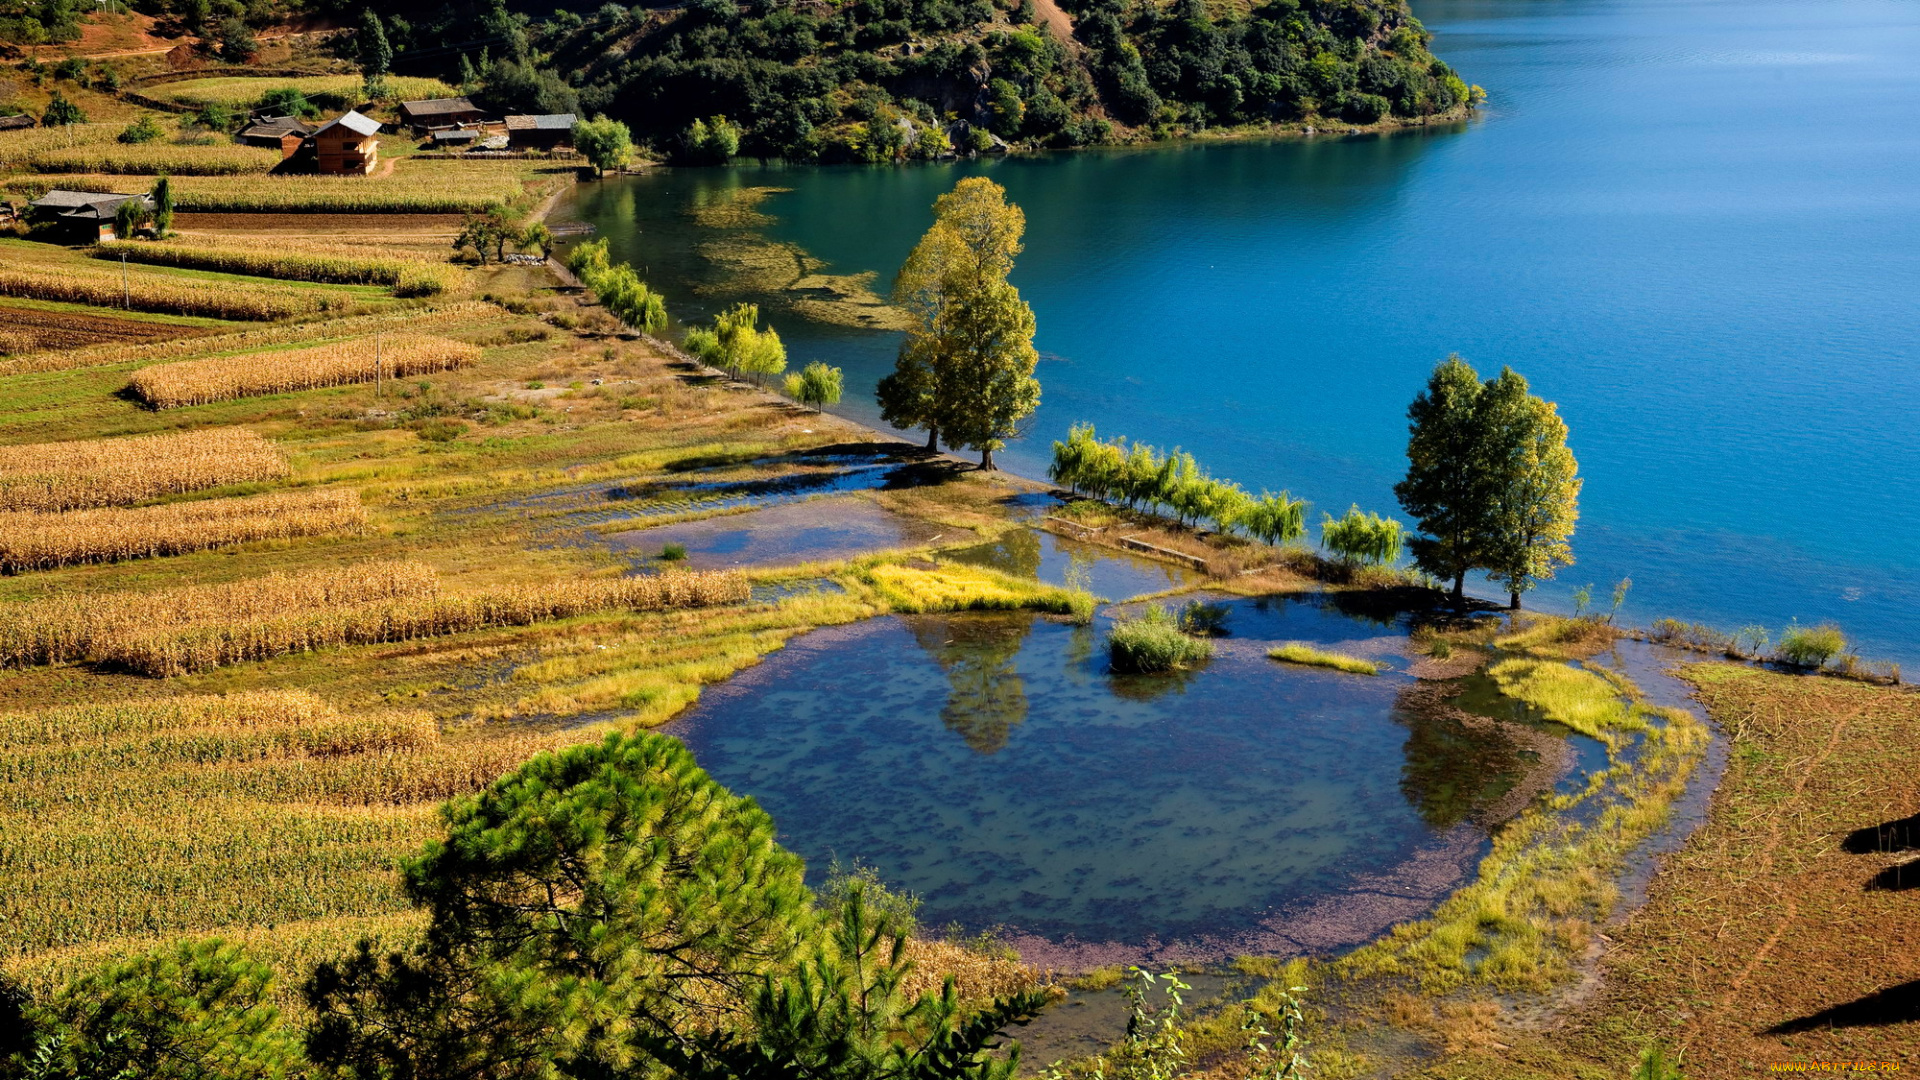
(871, 80)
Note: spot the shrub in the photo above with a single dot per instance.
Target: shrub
(1152, 643)
(1810, 646)
(673, 552)
(439, 429)
(143, 130)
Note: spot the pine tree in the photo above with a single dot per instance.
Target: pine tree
(162, 206)
(376, 56)
(1446, 490)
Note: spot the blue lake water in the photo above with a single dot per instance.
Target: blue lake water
(1245, 805)
(1695, 225)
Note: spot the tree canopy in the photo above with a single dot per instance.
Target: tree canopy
(965, 368)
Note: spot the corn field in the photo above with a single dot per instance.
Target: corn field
(116, 472)
(151, 158)
(330, 92)
(67, 627)
(406, 277)
(415, 187)
(33, 541)
(162, 653)
(137, 819)
(466, 314)
(361, 360)
(18, 148)
(167, 294)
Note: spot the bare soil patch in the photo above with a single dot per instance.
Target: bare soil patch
(34, 329)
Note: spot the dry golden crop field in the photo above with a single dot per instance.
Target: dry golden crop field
(115, 472)
(365, 359)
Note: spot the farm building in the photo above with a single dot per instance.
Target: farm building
(540, 132)
(12, 123)
(80, 211)
(273, 130)
(455, 138)
(348, 146)
(423, 116)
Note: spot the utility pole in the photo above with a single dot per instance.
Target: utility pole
(379, 379)
(126, 293)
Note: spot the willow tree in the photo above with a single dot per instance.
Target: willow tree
(1538, 495)
(965, 369)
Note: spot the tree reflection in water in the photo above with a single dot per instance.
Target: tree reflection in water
(986, 698)
(1451, 771)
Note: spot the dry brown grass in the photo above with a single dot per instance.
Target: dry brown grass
(470, 313)
(219, 378)
(977, 975)
(31, 541)
(217, 642)
(168, 294)
(70, 627)
(115, 472)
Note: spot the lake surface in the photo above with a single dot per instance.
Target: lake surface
(1248, 805)
(1695, 225)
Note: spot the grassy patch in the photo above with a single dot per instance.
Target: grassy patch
(954, 587)
(1152, 643)
(1295, 652)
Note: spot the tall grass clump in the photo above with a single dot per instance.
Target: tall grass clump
(1152, 643)
(51, 477)
(406, 277)
(1810, 646)
(219, 378)
(166, 294)
(36, 541)
(466, 314)
(1295, 652)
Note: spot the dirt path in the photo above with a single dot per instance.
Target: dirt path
(1057, 21)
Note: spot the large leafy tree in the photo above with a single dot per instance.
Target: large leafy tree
(606, 144)
(965, 370)
(1537, 491)
(1446, 490)
(598, 898)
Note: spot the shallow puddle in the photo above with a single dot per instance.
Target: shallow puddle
(1110, 574)
(818, 529)
(994, 766)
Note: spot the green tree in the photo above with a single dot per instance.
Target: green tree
(143, 130)
(601, 898)
(606, 144)
(817, 385)
(237, 44)
(188, 1011)
(1535, 482)
(370, 44)
(713, 141)
(737, 345)
(129, 217)
(535, 237)
(162, 195)
(60, 112)
(1360, 538)
(1275, 519)
(1446, 490)
(288, 101)
(965, 368)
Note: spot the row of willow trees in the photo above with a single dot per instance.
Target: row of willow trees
(1173, 484)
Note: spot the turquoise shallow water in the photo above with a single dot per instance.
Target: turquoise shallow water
(1695, 225)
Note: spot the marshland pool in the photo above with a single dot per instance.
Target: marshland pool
(992, 765)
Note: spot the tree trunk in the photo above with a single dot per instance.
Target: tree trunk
(986, 461)
(933, 440)
(1460, 588)
(1513, 602)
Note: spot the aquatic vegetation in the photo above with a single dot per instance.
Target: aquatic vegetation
(956, 587)
(1152, 643)
(1295, 652)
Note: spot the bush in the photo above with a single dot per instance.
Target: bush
(1365, 108)
(1810, 646)
(440, 429)
(1152, 643)
(143, 130)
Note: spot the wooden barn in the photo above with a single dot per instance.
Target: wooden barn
(273, 131)
(348, 146)
(549, 132)
(423, 116)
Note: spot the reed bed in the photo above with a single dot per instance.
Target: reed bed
(33, 541)
(465, 314)
(166, 294)
(51, 477)
(66, 627)
(221, 378)
(168, 652)
(406, 277)
(151, 158)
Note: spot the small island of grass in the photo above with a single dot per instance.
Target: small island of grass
(1294, 652)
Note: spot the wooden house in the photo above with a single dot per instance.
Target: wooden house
(273, 131)
(347, 146)
(549, 132)
(424, 116)
(87, 213)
